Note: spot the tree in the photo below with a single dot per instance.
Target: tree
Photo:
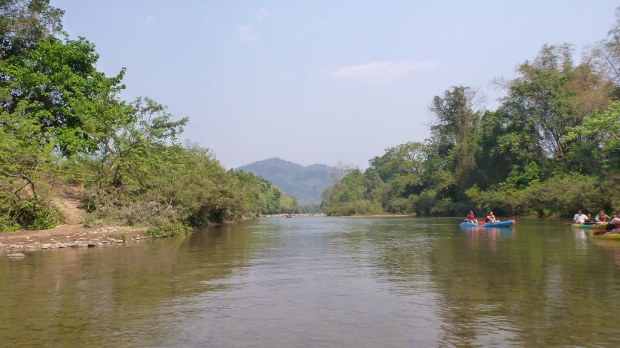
(552, 95)
(349, 196)
(603, 129)
(457, 116)
(399, 175)
(57, 85)
(24, 22)
(607, 52)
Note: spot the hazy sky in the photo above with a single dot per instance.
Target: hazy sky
(320, 81)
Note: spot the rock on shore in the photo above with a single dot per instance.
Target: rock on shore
(67, 236)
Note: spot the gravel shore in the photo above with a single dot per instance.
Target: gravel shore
(67, 236)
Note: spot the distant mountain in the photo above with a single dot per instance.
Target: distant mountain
(306, 184)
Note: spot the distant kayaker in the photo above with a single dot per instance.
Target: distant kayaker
(490, 217)
(471, 217)
(580, 217)
(602, 217)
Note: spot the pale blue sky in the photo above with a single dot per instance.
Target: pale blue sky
(320, 81)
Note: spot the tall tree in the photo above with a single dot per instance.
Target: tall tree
(457, 116)
(607, 52)
(551, 95)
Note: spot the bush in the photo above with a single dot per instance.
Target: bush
(168, 230)
(35, 214)
(558, 196)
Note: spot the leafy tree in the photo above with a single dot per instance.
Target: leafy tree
(542, 97)
(552, 95)
(550, 148)
(57, 85)
(350, 196)
(24, 22)
(61, 118)
(454, 132)
(603, 129)
(399, 175)
(501, 150)
(51, 109)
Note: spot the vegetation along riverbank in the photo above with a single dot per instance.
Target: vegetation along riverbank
(64, 127)
(550, 148)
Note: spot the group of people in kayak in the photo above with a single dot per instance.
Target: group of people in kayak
(470, 217)
(612, 222)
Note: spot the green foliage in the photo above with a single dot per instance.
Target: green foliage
(350, 196)
(523, 176)
(57, 86)
(555, 119)
(33, 214)
(179, 185)
(168, 230)
(454, 134)
(564, 195)
(26, 161)
(24, 22)
(262, 197)
(561, 195)
(551, 95)
(602, 128)
(62, 121)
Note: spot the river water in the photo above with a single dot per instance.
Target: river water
(322, 282)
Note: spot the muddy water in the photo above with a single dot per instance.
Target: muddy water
(322, 282)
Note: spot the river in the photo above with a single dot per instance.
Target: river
(322, 282)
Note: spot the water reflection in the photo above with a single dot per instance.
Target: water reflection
(610, 247)
(69, 296)
(327, 282)
(534, 284)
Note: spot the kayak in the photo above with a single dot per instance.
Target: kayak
(607, 236)
(488, 224)
(595, 227)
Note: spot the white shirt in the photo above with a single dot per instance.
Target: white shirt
(580, 219)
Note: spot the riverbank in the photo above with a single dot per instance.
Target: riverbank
(68, 236)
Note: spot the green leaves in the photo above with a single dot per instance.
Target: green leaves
(24, 22)
(57, 85)
(512, 159)
(602, 128)
(59, 111)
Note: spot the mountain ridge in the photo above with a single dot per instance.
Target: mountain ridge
(305, 183)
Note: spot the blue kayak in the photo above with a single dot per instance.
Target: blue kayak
(488, 224)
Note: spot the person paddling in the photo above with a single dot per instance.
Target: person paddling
(580, 217)
(490, 217)
(614, 223)
(602, 217)
(471, 217)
